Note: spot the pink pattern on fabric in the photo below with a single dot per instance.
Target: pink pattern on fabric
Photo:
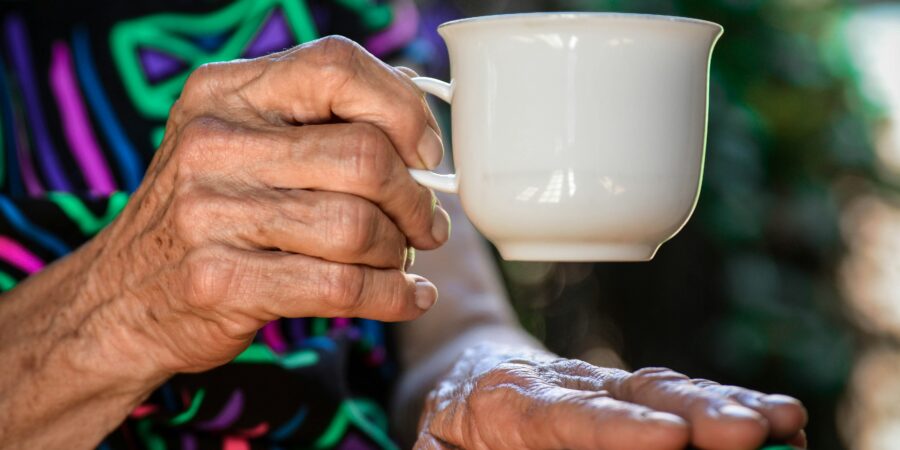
(401, 31)
(76, 125)
(256, 431)
(18, 256)
(229, 414)
(377, 356)
(143, 411)
(235, 443)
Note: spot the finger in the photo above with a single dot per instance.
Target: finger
(428, 442)
(717, 422)
(786, 415)
(269, 285)
(581, 375)
(355, 159)
(335, 77)
(543, 416)
(432, 121)
(799, 440)
(573, 419)
(338, 227)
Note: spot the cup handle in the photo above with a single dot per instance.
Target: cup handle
(439, 182)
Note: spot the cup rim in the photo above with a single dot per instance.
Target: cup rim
(580, 15)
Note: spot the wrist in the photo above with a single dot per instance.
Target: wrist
(486, 353)
(106, 352)
(68, 382)
(111, 346)
(456, 359)
(93, 343)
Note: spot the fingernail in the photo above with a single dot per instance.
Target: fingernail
(440, 228)
(739, 412)
(431, 150)
(426, 294)
(778, 399)
(410, 258)
(665, 418)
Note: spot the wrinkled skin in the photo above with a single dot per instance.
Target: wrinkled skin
(504, 399)
(280, 190)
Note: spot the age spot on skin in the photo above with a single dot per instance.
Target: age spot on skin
(29, 363)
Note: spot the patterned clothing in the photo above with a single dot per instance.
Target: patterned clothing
(85, 88)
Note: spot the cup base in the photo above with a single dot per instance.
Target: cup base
(575, 252)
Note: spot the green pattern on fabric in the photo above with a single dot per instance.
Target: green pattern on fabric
(152, 440)
(259, 353)
(157, 135)
(192, 410)
(7, 282)
(374, 16)
(167, 33)
(355, 411)
(319, 326)
(89, 224)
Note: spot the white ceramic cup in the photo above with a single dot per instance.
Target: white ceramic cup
(576, 136)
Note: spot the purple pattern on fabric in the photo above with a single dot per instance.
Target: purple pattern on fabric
(76, 125)
(297, 329)
(23, 154)
(273, 35)
(227, 416)
(403, 30)
(377, 356)
(158, 65)
(17, 40)
(188, 442)
(272, 336)
(321, 16)
(431, 47)
(354, 442)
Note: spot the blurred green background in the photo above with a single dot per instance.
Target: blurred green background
(784, 279)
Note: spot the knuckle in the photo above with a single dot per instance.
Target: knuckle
(369, 157)
(424, 208)
(574, 365)
(400, 297)
(643, 379)
(190, 210)
(495, 385)
(200, 136)
(357, 222)
(335, 56)
(209, 274)
(196, 80)
(336, 47)
(703, 382)
(198, 83)
(342, 286)
(503, 374)
(658, 373)
(419, 215)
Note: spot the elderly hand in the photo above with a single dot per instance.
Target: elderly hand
(280, 190)
(511, 400)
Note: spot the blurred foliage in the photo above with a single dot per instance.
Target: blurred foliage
(746, 293)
